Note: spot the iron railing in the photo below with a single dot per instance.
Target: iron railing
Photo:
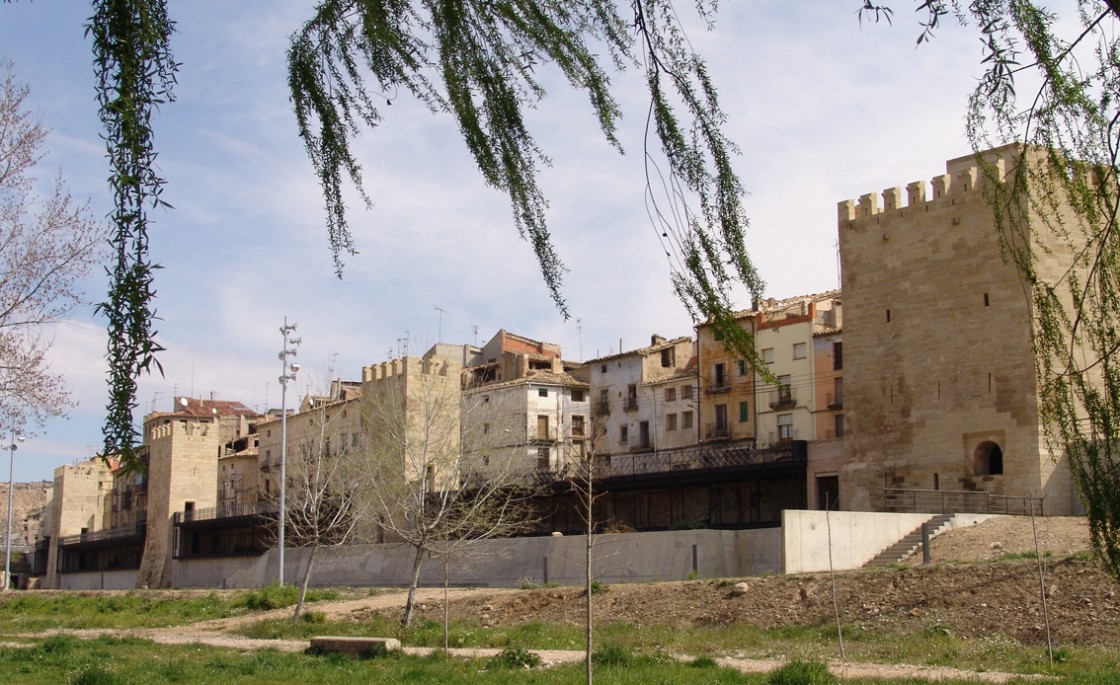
(110, 534)
(231, 510)
(959, 502)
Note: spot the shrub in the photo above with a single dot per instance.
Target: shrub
(514, 657)
(611, 655)
(799, 672)
(93, 675)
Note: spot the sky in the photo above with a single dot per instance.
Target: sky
(822, 107)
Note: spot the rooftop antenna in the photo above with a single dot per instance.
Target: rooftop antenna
(579, 327)
(442, 311)
(839, 284)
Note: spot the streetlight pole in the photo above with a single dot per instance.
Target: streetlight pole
(287, 373)
(11, 481)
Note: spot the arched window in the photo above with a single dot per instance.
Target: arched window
(988, 459)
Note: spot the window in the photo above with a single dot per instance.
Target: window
(768, 355)
(800, 350)
(670, 394)
(785, 427)
(721, 418)
(785, 390)
(667, 357)
(719, 375)
(486, 399)
(744, 412)
(686, 392)
(485, 428)
(577, 395)
(354, 439)
(631, 397)
(839, 426)
(686, 419)
(624, 434)
(544, 458)
(741, 367)
(486, 460)
(670, 422)
(837, 399)
(577, 426)
(604, 401)
(837, 356)
(542, 392)
(603, 368)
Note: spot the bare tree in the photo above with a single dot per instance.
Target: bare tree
(437, 483)
(47, 244)
(323, 484)
(582, 470)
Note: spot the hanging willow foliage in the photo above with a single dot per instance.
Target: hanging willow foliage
(1064, 202)
(1055, 205)
(135, 73)
(477, 60)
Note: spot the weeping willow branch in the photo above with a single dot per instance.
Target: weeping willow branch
(1060, 200)
(135, 74)
(477, 61)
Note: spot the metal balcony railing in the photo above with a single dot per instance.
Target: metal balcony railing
(110, 534)
(783, 399)
(231, 510)
(960, 501)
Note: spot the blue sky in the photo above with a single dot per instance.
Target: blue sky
(823, 109)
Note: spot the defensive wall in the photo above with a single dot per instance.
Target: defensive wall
(800, 545)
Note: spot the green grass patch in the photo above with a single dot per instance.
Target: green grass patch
(35, 612)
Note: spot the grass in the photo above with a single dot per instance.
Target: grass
(33, 612)
(632, 654)
(110, 661)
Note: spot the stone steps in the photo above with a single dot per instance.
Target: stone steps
(902, 549)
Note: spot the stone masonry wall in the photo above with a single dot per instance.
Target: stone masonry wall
(938, 355)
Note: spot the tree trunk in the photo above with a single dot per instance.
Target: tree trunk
(417, 562)
(446, 605)
(590, 503)
(305, 583)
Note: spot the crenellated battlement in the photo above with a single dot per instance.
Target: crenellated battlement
(962, 179)
(401, 367)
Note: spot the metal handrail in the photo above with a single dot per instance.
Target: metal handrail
(915, 500)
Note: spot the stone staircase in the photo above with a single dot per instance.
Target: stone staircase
(909, 544)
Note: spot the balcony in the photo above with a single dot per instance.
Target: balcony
(548, 435)
(719, 385)
(602, 408)
(835, 402)
(783, 399)
(631, 404)
(717, 431)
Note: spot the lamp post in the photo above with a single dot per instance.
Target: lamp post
(11, 478)
(287, 373)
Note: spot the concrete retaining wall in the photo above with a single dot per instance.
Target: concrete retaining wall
(801, 545)
(857, 536)
(631, 557)
(98, 580)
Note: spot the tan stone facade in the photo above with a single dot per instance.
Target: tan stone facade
(183, 451)
(79, 504)
(941, 391)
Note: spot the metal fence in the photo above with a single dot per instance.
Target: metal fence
(960, 502)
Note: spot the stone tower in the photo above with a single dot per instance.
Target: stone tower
(941, 390)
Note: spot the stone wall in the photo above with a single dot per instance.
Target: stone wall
(938, 361)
